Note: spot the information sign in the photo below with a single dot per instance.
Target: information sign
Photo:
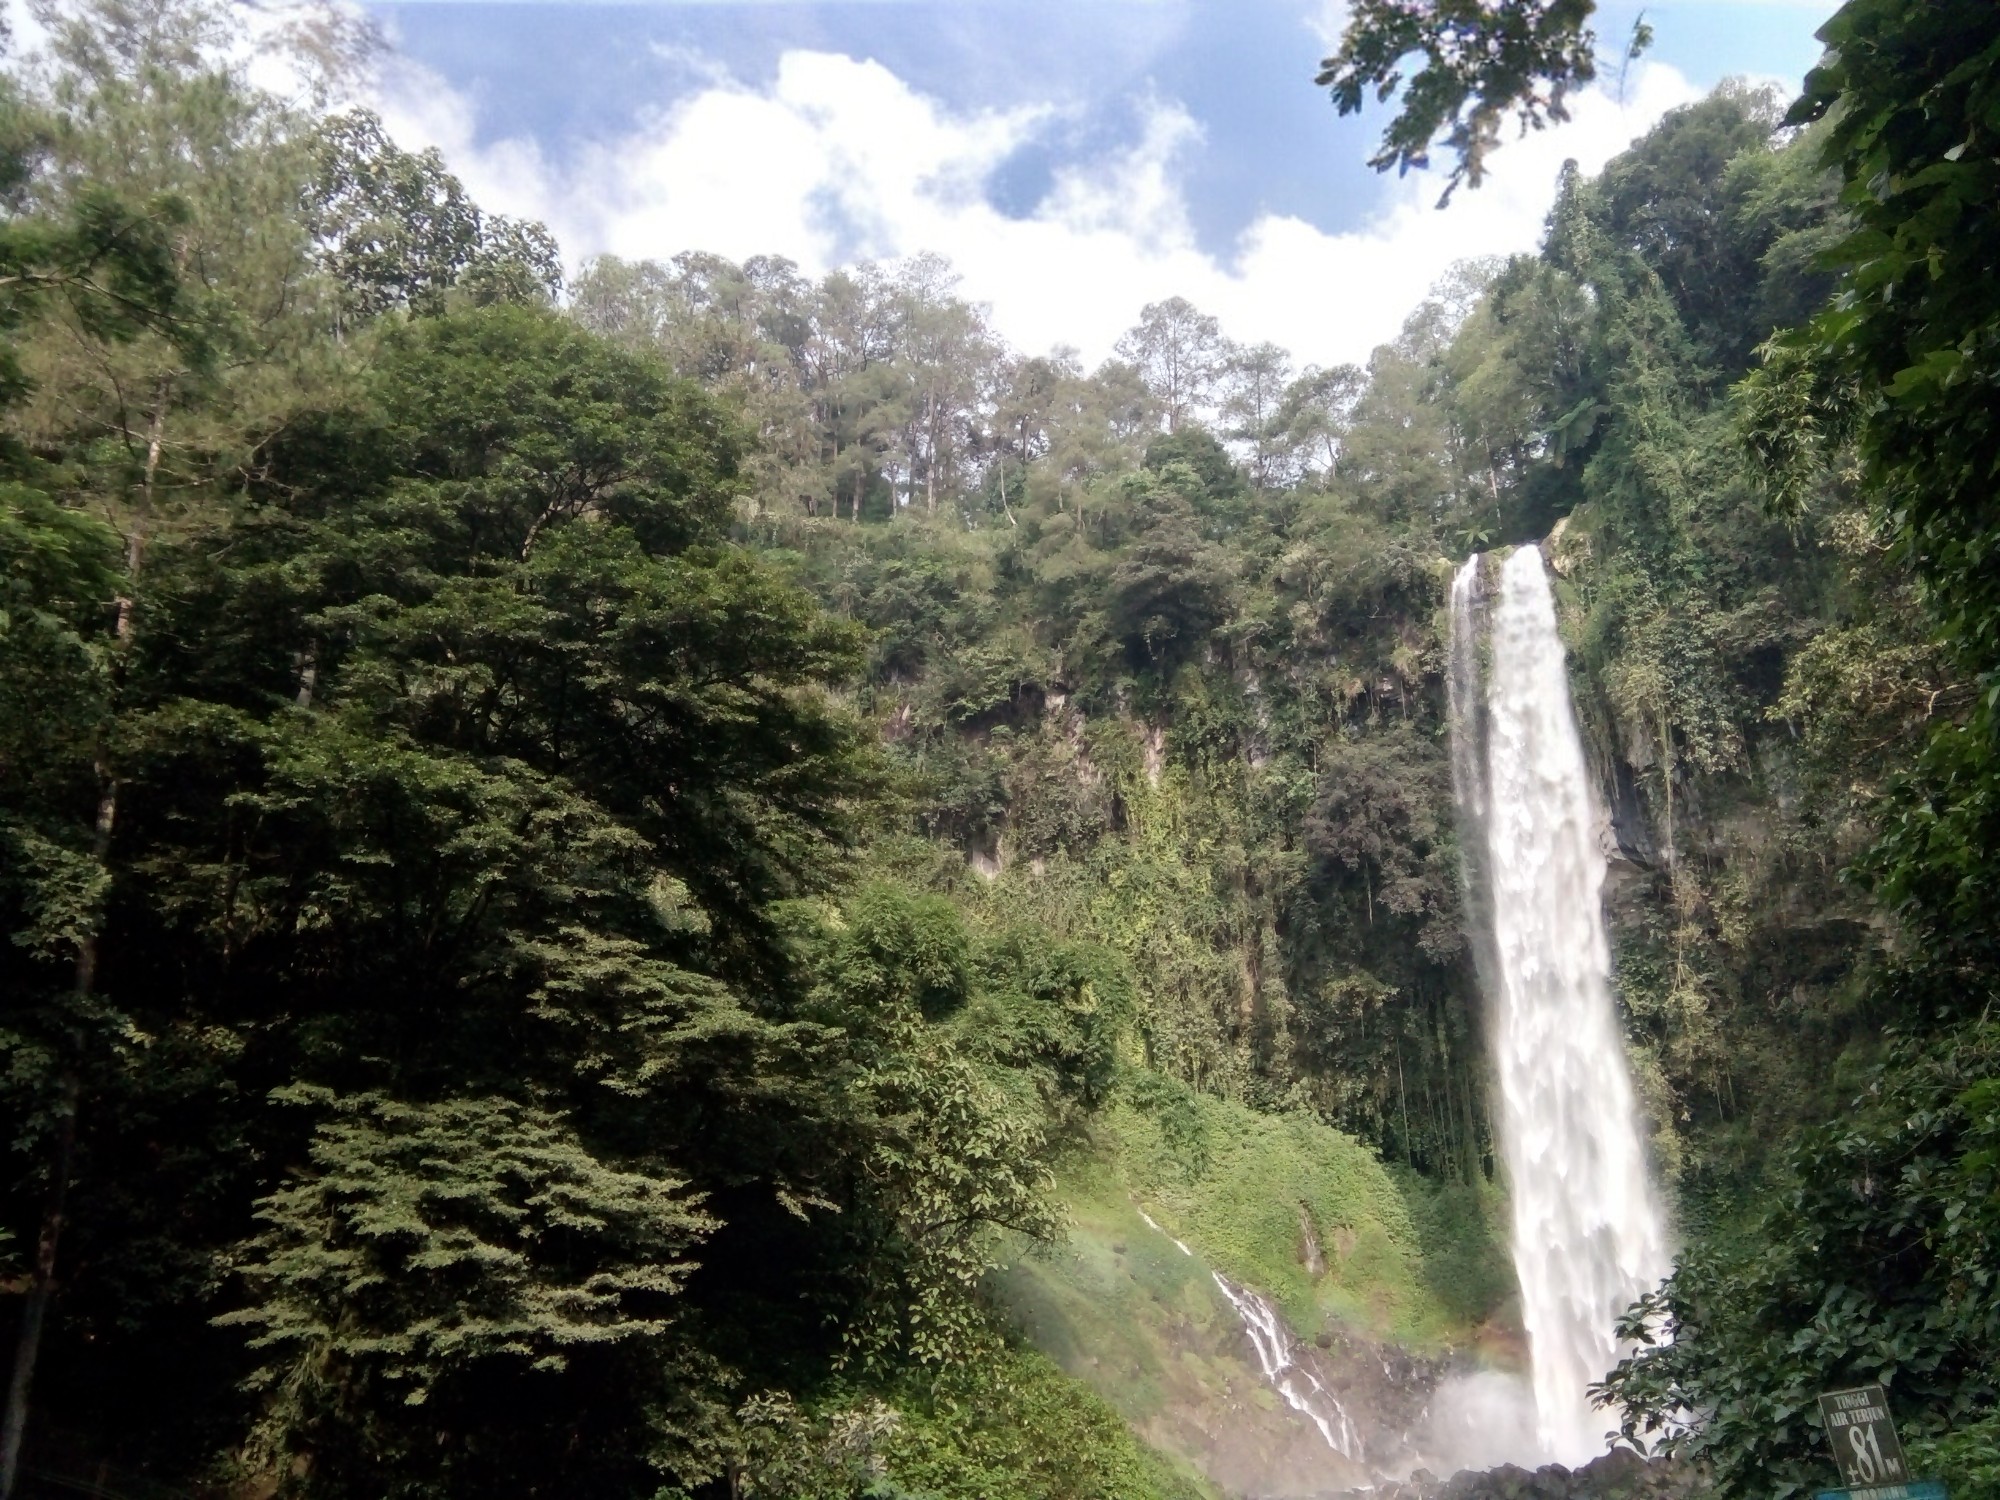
(1916, 1489)
(1864, 1438)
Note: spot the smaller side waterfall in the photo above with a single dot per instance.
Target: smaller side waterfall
(1277, 1357)
(1588, 1234)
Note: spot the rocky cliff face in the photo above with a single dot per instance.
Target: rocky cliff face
(1735, 938)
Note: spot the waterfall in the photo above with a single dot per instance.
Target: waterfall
(1277, 1353)
(1588, 1233)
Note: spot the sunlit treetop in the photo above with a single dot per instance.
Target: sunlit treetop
(1477, 62)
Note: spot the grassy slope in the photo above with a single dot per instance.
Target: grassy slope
(1020, 1430)
(1124, 1309)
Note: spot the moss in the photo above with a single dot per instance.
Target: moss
(1405, 1259)
(1241, 1187)
(1140, 1320)
(1966, 1459)
(1019, 1429)
(1463, 1228)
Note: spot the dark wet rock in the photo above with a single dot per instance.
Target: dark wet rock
(1618, 1475)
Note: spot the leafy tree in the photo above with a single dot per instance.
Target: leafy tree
(394, 229)
(1310, 422)
(1397, 449)
(1168, 587)
(429, 1240)
(947, 350)
(1481, 62)
(1379, 821)
(1179, 353)
(481, 629)
(1911, 341)
(1255, 381)
(1218, 492)
(104, 265)
(1660, 204)
(1875, 1265)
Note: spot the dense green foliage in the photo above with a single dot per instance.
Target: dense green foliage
(447, 1049)
(1879, 1263)
(1913, 339)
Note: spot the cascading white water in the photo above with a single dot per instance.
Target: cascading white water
(1589, 1237)
(1281, 1359)
(1277, 1353)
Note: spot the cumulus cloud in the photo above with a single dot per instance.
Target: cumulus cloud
(838, 159)
(1328, 21)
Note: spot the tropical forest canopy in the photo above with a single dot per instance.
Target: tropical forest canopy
(586, 850)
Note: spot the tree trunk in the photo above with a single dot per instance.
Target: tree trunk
(1474, 1167)
(41, 1289)
(308, 675)
(930, 467)
(34, 1310)
(135, 540)
(69, 1090)
(1403, 1095)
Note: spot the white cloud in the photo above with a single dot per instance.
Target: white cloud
(1327, 19)
(840, 159)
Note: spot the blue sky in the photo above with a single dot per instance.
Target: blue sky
(1187, 135)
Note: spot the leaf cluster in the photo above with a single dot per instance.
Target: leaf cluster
(1875, 1265)
(1479, 63)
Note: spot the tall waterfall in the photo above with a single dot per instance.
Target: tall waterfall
(1588, 1233)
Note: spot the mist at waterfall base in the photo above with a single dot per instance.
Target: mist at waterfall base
(1588, 1234)
(1470, 1420)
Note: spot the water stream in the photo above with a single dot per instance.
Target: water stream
(1588, 1235)
(1277, 1356)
